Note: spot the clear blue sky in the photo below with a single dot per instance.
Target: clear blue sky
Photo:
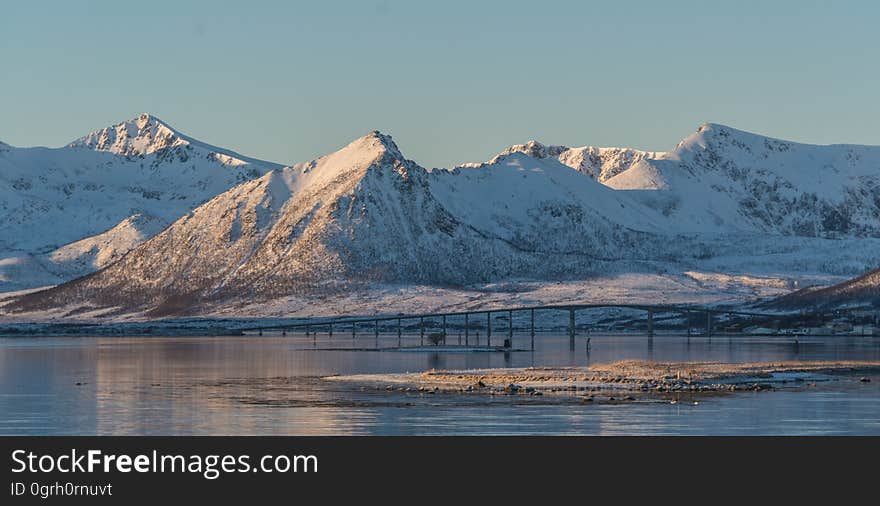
(452, 81)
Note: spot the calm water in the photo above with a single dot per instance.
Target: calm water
(268, 385)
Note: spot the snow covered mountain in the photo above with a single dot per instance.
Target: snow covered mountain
(723, 178)
(68, 211)
(366, 214)
(724, 201)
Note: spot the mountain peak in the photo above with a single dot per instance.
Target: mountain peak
(718, 129)
(535, 149)
(142, 135)
(146, 118)
(361, 153)
(704, 134)
(717, 135)
(373, 145)
(384, 141)
(709, 129)
(146, 134)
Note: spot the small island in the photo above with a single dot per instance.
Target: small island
(627, 380)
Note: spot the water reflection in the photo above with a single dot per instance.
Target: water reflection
(263, 385)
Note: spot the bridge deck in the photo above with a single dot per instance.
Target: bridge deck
(650, 309)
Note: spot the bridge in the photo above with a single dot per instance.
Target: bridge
(428, 321)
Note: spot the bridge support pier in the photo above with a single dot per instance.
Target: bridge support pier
(353, 330)
(650, 323)
(510, 324)
(376, 328)
(466, 329)
(571, 329)
(533, 329)
(422, 329)
(488, 328)
(330, 330)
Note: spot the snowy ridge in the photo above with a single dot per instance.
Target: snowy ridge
(148, 134)
(101, 250)
(140, 136)
(600, 164)
(139, 173)
(720, 178)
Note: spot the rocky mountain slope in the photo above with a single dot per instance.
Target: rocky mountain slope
(859, 291)
(68, 211)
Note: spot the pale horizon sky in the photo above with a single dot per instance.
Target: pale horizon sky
(451, 81)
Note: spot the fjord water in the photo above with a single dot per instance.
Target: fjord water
(264, 385)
